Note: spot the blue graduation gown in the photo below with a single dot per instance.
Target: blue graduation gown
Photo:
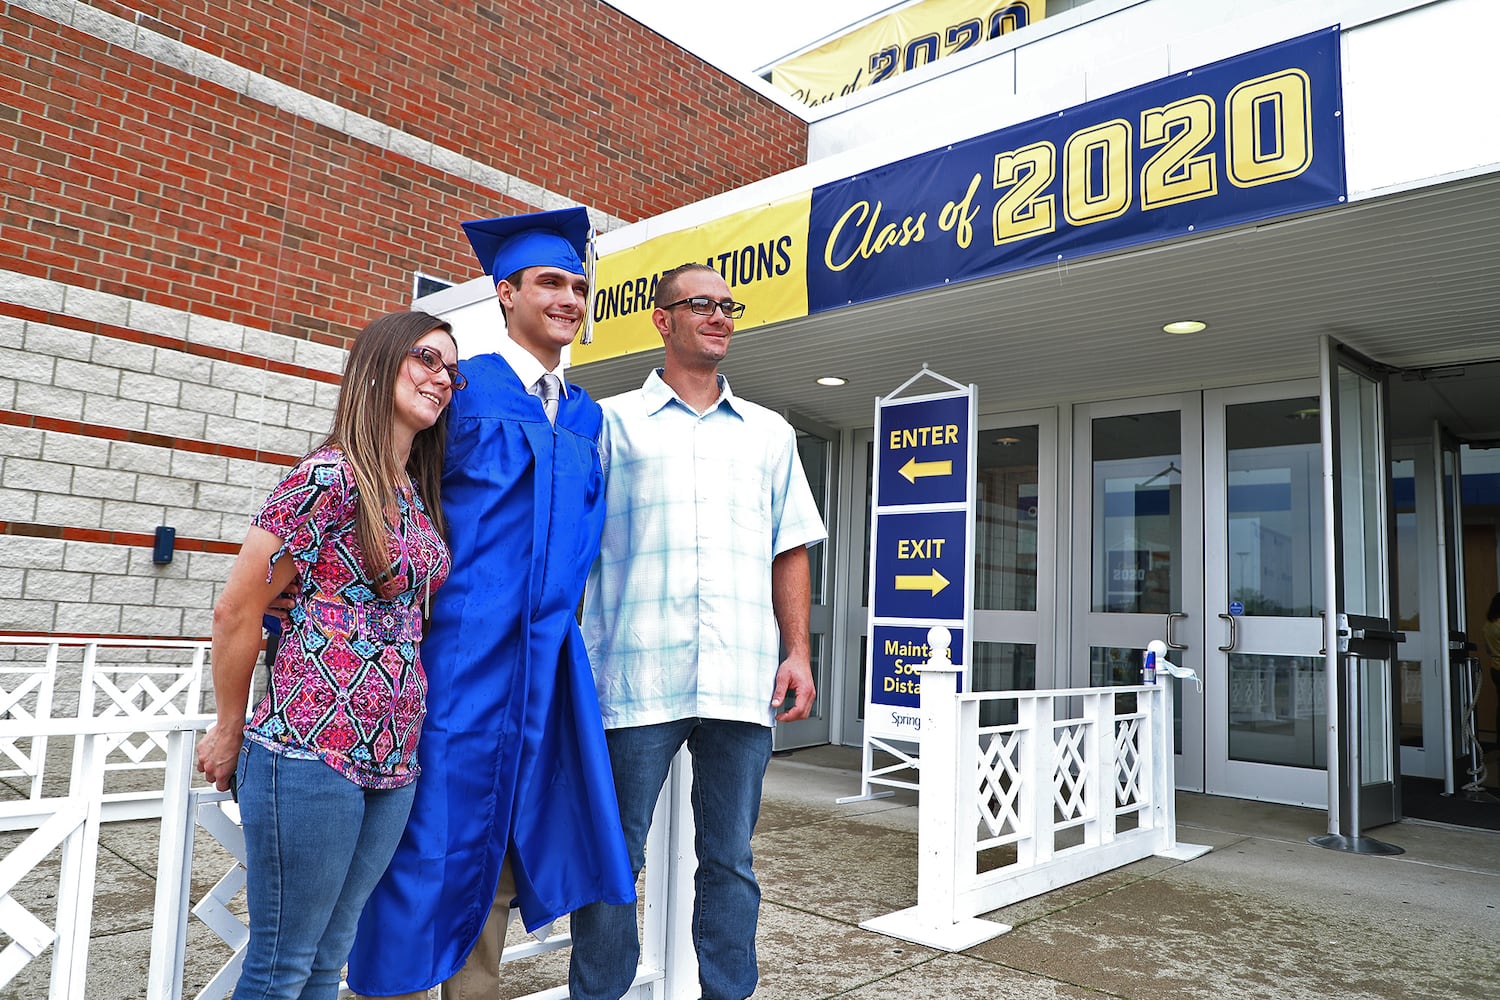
(512, 751)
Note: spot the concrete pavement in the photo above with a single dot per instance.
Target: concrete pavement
(1265, 915)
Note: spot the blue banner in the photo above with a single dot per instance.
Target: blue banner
(1253, 137)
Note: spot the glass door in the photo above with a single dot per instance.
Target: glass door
(1364, 766)
(1428, 599)
(1414, 605)
(1014, 576)
(1138, 550)
(1451, 612)
(855, 557)
(817, 446)
(1265, 697)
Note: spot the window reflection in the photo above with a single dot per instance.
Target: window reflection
(1137, 530)
(864, 580)
(1275, 506)
(1407, 596)
(814, 452)
(1002, 666)
(1277, 710)
(1006, 520)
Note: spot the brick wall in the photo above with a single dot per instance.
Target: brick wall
(144, 159)
(199, 205)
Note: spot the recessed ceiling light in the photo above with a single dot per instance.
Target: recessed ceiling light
(1185, 326)
(833, 380)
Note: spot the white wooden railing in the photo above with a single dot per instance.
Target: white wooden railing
(1080, 783)
(49, 677)
(150, 725)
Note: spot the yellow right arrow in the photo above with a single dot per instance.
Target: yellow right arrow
(913, 469)
(934, 582)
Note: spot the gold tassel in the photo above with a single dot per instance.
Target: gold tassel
(590, 265)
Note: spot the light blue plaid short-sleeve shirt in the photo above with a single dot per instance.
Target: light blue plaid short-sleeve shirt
(677, 615)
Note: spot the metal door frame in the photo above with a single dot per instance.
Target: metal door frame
(1351, 640)
(822, 619)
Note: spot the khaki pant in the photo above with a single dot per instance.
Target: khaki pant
(479, 979)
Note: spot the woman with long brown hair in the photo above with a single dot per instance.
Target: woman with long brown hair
(324, 769)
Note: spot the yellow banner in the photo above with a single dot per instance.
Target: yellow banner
(761, 252)
(900, 41)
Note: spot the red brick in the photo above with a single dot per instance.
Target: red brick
(198, 198)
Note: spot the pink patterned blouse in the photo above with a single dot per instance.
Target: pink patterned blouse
(347, 686)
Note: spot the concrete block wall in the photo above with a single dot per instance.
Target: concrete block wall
(116, 430)
(201, 205)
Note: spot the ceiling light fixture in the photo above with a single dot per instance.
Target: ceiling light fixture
(1006, 442)
(832, 380)
(1185, 326)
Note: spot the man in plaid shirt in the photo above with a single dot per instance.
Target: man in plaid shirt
(703, 564)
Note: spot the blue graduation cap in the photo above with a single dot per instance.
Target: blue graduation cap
(562, 238)
(558, 238)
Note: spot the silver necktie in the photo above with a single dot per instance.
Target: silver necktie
(551, 386)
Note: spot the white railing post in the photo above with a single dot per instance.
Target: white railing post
(1038, 764)
(1163, 774)
(1099, 710)
(174, 873)
(1164, 792)
(940, 838)
(86, 711)
(947, 816)
(680, 964)
(75, 881)
(668, 968)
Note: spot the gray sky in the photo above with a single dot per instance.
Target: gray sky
(740, 36)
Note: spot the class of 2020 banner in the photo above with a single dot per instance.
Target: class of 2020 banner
(1251, 137)
(898, 42)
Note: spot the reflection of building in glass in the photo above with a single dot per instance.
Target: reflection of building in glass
(1005, 540)
(1005, 527)
(1277, 710)
(1139, 526)
(1260, 568)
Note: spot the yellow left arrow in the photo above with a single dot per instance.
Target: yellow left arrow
(913, 469)
(934, 582)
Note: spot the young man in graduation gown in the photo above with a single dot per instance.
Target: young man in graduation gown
(516, 798)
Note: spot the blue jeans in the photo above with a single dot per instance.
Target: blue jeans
(315, 845)
(729, 766)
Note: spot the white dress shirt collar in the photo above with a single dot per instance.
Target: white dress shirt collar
(527, 368)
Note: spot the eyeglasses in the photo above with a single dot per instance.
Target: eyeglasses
(702, 305)
(433, 362)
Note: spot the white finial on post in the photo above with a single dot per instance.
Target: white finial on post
(939, 642)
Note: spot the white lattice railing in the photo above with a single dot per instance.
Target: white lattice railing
(1080, 783)
(49, 817)
(52, 677)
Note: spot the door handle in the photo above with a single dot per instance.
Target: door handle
(1172, 643)
(1233, 630)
